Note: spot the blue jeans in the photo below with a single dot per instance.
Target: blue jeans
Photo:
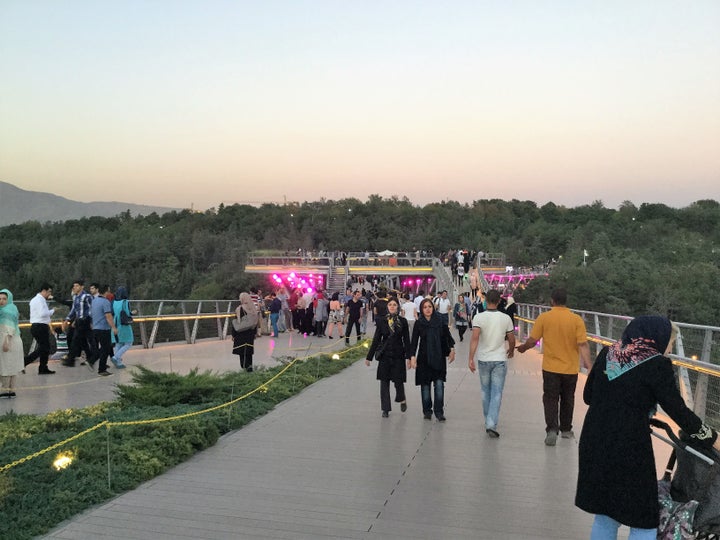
(121, 348)
(427, 402)
(492, 382)
(273, 320)
(606, 528)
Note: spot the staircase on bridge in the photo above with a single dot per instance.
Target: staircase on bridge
(337, 279)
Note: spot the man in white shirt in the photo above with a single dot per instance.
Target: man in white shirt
(418, 299)
(442, 306)
(491, 329)
(40, 328)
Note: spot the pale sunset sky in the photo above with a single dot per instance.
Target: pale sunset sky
(180, 102)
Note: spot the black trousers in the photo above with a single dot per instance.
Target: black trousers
(559, 400)
(103, 346)
(348, 330)
(82, 340)
(41, 333)
(385, 394)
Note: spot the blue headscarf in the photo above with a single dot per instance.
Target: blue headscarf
(9, 315)
(644, 338)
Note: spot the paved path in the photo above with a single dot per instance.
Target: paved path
(324, 464)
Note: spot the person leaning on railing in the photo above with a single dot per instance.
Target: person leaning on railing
(616, 478)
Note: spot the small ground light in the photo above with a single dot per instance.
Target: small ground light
(694, 356)
(63, 461)
(336, 356)
(366, 345)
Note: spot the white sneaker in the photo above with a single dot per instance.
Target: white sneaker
(551, 438)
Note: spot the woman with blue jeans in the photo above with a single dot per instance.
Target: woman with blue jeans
(430, 345)
(123, 340)
(616, 473)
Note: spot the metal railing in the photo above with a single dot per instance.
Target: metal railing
(695, 355)
(161, 321)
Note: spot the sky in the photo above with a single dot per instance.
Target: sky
(186, 103)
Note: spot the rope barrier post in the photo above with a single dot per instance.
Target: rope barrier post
(107, 444)
(232, 396)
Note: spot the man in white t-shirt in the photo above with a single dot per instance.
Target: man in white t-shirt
(442, 306)
(491, 329)
(409, 310)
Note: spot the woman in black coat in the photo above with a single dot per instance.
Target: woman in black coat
(392, 339)
(431, 343)
(244, 338)
(616, 479)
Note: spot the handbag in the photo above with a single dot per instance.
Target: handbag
(245, 321)
(125, 318)
(6, 343)
(53, 342)
(380, 350)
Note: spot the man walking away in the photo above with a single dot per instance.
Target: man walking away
(564, 347)
(490, 330)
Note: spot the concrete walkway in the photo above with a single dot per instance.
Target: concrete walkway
(324, 464)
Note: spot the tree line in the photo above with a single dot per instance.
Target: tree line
(641, 259)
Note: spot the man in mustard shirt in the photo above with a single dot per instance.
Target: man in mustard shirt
(564, 347)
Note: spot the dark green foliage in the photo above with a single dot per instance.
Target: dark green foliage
(641, 259)
(34, 497)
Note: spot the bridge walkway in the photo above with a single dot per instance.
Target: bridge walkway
(324, 464)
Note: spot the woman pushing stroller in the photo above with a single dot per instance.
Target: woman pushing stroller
(616, 479)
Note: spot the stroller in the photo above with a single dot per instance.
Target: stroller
(690, 497)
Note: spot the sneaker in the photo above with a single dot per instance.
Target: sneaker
(46, 372)
(440, 417)
(551, 438)
(403, 406)
(385, 414)
(90, 365)
(105, 373)
(492, 433)
(568, 435)
(427, 416)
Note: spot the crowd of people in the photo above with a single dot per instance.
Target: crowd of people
(97, 326)
(626, 382)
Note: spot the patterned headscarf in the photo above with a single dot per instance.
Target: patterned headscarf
(9, 315)
(644, 338)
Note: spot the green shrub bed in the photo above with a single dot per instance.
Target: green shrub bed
(112, 459)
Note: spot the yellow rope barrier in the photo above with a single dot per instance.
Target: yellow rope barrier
(263, 387)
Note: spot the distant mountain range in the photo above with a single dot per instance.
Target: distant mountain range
(19, 205)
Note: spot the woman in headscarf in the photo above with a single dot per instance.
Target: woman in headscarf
(432, 343)
(244, 334)
(460, 315)
(125, 337)
(392, 343)
(509, 308)
(616, 479)
(11, 346)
